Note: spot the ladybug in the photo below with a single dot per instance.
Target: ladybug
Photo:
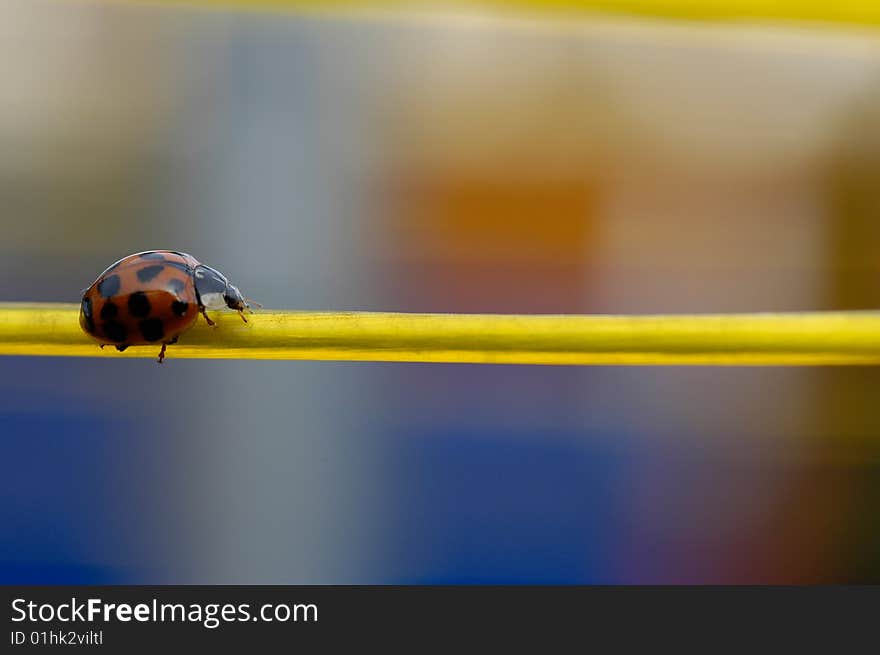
(153, 297)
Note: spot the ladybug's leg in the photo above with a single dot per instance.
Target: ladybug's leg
(241, 313)
(161, 354)
(207, 318)
(122, 347)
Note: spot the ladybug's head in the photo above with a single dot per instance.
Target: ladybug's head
(234, 299)
(215, 291)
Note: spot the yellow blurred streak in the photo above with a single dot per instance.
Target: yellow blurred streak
(858, 12)
(816, 338)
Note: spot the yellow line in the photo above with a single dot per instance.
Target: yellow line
(858, 12)
(816, 338)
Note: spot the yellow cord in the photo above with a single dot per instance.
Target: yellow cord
(739, 339)
(855, 12)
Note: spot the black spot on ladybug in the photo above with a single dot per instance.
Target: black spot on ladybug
(139, 304)
(176, 286)
(152, 329)
(109, 286)
(87, 314)
(147, 273)
(179, 308)
(153, 255)
(109, 311)
(115, 331)
(122, 347)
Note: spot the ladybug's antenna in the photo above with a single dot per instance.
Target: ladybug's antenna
(253, 302)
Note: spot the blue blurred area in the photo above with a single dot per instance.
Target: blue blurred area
(484, 508)
(54, 482)
(71, 479)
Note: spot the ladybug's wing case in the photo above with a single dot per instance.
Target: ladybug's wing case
(153, 256)
(144, 298)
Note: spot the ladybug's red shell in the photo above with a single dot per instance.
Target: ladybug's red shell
(145, 298)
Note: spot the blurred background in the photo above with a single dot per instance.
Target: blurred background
(442, 163)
